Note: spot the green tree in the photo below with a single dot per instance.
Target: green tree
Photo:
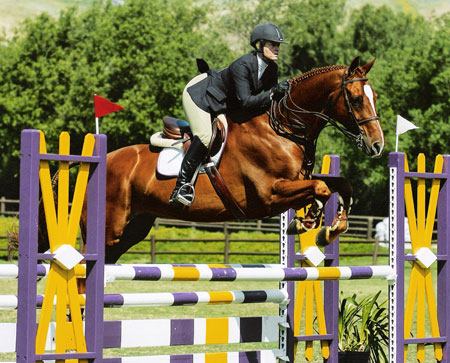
(140, 54)
(411, 62)
(434, 134)
(314, 32)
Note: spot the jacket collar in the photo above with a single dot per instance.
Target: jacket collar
(254, 65)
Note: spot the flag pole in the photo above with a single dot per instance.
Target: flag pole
(97, 126)
(103, 107)
(403, 125)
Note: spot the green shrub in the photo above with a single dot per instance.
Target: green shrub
(363, 326)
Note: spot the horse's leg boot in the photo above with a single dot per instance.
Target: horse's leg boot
(299, 225)
(184, 192)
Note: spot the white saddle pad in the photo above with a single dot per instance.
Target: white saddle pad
(170, 159)
(171, 156)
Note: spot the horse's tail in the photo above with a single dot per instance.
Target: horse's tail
(43, 241)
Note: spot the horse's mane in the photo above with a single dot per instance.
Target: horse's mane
(316, 71)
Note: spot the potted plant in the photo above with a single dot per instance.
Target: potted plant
(363, 330)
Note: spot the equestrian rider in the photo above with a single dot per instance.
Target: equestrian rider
(243, 90)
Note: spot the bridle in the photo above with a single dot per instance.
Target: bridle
(344, 90)
(296, 128)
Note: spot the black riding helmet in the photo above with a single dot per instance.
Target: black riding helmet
(267, 31)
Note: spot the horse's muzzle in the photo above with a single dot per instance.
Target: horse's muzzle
(377, 149)
(374, 149)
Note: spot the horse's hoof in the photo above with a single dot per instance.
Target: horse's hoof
(323, 237)
(294, 227)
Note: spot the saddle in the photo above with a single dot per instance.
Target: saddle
(177, 133)
(175, 138)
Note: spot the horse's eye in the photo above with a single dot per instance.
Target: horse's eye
(357, 101)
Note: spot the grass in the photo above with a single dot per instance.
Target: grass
(360, 287)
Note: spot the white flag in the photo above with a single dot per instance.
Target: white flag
(403, 125)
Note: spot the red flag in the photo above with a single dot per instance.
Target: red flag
(103, 107)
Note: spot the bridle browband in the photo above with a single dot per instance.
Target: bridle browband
(295, 130)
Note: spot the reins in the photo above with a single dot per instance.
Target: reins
(296, 129)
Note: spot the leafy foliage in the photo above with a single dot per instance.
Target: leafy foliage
(140, 54)
(363, 326)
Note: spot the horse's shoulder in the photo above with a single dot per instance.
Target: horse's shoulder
(127, 153)
(129, 149)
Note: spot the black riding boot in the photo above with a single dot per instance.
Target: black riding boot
(184, 189)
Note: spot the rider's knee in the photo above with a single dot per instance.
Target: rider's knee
(204, 137)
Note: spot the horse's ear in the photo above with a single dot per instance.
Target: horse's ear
(354, 65)
(366, 67)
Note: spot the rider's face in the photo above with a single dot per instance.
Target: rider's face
(270, 50)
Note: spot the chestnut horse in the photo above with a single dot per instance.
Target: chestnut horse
(267, 162)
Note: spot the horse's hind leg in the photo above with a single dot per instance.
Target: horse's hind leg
(133, 232)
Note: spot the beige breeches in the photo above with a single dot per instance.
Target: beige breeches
(200, 120)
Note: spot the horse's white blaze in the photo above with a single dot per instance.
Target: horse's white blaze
(369, 93)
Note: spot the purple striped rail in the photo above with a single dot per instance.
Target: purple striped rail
(229, 273)
(175, 298)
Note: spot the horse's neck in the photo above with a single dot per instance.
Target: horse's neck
(313, 93)
(258, 142)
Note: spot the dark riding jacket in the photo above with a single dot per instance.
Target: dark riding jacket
(236, 91)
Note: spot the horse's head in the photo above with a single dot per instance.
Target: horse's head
(337, 95)
(354, 108)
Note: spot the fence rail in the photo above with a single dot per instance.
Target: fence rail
(9, 207)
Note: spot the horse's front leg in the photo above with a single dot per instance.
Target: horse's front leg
(340, 223)
(298, 194)
(316, 193)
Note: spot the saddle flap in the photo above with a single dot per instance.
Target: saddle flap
(170, 158)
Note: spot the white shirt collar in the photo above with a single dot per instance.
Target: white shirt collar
(262, 65)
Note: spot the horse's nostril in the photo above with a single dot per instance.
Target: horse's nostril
(377, 148)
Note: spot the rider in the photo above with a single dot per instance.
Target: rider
(243, 90)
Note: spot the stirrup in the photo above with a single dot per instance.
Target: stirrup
(185, 195)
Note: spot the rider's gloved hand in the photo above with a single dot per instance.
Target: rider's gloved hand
(277, 92)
